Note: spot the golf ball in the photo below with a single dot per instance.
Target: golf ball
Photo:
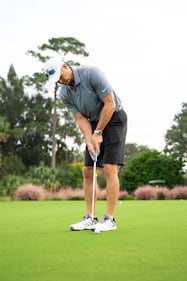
(97, 231)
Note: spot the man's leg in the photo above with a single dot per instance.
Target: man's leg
(112, 192)
(88, 185)
(112, 188)
(87, 222)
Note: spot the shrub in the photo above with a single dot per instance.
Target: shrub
(179, 192)
(48, 177)
(9, 184)
(66, 193)
(129, 197)
(29, 192)
(162, 193)
(73, 175)
(101, 194)
(123, 195)
(12, 165)
(149, 165)
(101, 178)
(146, 192)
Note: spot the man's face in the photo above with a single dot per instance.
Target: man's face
(65, 75)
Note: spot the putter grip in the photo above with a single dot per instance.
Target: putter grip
(95, 155)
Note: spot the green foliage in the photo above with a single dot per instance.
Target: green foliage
(176, 136)
(101, 178)
(12, 106)
(4, 129)
(12, 98)
(129, 197)
(34, 146)
(9, 184)
(73, 175)
(12, 165)
(37, 81)
(48, 177)
(64, 46)
(132, 149)
(150, 165)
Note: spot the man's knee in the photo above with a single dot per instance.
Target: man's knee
(110, 170)
(87, 172)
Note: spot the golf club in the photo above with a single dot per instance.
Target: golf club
(94, 181)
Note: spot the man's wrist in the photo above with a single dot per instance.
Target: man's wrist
(98, 132)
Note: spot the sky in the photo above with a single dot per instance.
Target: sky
(141, 45)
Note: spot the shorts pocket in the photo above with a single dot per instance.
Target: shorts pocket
(114, 133)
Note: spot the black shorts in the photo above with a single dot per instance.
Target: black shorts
(112, 149)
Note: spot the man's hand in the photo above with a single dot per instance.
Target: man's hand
(96, 141)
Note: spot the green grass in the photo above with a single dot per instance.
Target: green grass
(149, 245)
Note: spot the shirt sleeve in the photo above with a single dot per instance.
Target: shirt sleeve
(68, 103)
(100, 83)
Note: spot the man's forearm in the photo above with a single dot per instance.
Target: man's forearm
(84, 126)
(105, 117)
(106, 113)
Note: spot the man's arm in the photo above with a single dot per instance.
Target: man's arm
(94, 140)
(107, 111)
(106, 114)
(84, 126)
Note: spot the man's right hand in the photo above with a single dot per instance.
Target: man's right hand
(96, 141)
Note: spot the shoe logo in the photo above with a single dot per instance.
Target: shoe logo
(104, 90)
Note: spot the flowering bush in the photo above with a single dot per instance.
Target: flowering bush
(123, 194)
(146, 192)
(66, 193)
(29, 192)
(179, 192)
(162, 193)
(69, 193)
(101, 194)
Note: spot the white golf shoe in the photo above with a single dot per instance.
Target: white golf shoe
(86, 223)
(105, 224)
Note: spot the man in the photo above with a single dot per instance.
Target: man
(98, 111)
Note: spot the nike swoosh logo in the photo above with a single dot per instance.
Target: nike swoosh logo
(104, 90)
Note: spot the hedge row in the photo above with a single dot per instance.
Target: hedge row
(33, 192)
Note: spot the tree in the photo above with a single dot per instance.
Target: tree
(151, 165)
(12, 107)
(29, 120)
(62, 46)
(176, 136)
(4, 129)
(4, 134)
(132, 149)
(35, 145)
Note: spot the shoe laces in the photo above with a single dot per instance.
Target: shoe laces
(86, 217)
(105, 218)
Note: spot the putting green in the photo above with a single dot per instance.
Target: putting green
(149, 245)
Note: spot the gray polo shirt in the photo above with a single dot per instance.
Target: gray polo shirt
(91, 86)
